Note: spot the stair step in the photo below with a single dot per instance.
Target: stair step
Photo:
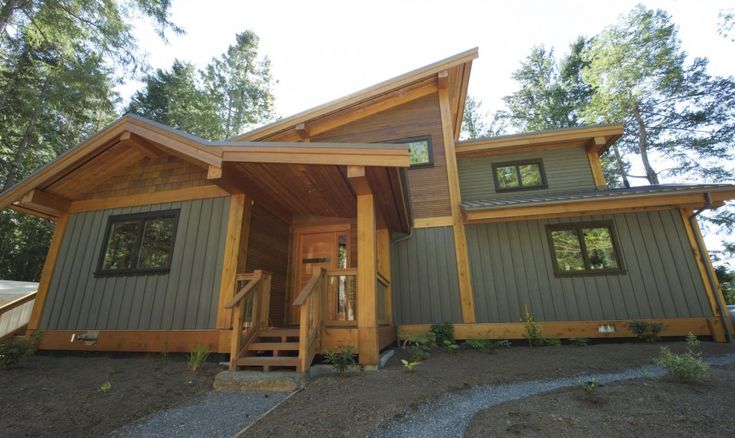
(281, 346)
(276, 332)
(263, 361)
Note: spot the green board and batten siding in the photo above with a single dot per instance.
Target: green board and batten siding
(425, 284)
(184, 298)
(511, 267)
(566, 170)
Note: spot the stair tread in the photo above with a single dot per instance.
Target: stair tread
(268, 360)
(274, 332)
(257, 346)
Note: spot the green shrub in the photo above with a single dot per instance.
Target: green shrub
(554, 342)
(688, 367)
(16, 350)
(589, 386)
(197, 357)
(443, 332)
(425, 340)
(487, 345)
(579, 342)
(692, 340)
(532, 330)
(646, 331)
(106, 387)
(503, 343)
(410, 366)
(451, 346)
(342, 358)
(418, 353)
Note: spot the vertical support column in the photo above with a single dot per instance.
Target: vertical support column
(455, 198)
(593, 156)
(48, 272)
(384, 268)
(235, 228)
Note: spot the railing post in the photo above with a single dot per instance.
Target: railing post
(236, 336)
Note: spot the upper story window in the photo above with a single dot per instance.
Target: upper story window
(584, 248)
(139, 243)
(419, 151)
(519, 175)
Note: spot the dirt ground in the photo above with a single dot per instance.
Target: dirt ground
(59, 395)
(660, 407)
(354, 406)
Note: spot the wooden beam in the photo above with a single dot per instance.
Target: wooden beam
(140, 144)
(47, 273)
(230, 262)
(176, 195)
(197, 155)
(303, 131)
(45, 202)
(433, 222)
(226, 177)
(442, 80)
(596, 166)
(358, 180)
(367, 320)
(169, 341)
(460, 240)
(337, 155)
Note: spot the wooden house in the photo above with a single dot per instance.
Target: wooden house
(353, 223)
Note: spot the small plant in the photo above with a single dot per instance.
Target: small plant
(106, 387)
(646, 331)
(342, 358)
(688, 367)
(425, 340)
(533, 330)
(418, 353)
(165, 349)
(443, 332)
(410, 366)
(17, 350)
(692, 340)
(503, 343)
(478, 344)
(197, 357)
(589, 386)
(114, 370)
(554, 342)
(451, 346)
(579, 342)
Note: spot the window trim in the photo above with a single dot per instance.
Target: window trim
(577, 226)
(141, 217)
(517, 163)
(430, 163)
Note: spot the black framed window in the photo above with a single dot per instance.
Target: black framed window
(138, 243)
(519, 175)
(584, 248)
(420, 152)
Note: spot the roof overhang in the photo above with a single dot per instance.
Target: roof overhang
(452, 73)
(695, 198)
(595, 138)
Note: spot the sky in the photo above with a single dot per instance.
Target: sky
(322, 50)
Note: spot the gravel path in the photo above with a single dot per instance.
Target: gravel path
(214, 414)
(450, 414)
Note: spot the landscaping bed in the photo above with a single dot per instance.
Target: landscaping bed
(61, 395)
(659, 406)
(354, 406)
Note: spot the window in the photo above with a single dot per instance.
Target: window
(139, 243)
(419, 151)
(519, 175)
(584, 248)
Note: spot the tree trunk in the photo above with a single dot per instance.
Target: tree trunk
(20, 152)
(6, 12)
(621, 166)
(651, 174)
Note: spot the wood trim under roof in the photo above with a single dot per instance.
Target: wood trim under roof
(597, 138)
(462, 61)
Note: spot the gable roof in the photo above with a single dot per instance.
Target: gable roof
(460, 64)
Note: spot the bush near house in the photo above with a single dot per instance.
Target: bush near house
(646, 331)
(14, 351)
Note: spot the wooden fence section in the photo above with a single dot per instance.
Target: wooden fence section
(311, 304)
(15, 315)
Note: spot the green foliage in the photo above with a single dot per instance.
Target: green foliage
(726, 278)
(443, 332)
(488, 345)
(426, 340)
(14, 351)
(645, 331)
(532, 330)
(688, 367)
(342, 358)
(410, 366)
(106, 387)
(692, 340)
(589, 386)
(553, 342)
(418, 353)
(579, 342)
(198, 357)
(451, 346)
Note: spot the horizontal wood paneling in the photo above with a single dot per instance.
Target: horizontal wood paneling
(566, 170)
(425, 288)
(428, 187)
(184, 298)
(511, 267)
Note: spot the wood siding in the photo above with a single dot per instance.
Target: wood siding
(512, 267)
(184, 298)
(566, 170)
(268, 250)
(424, 269)
(428, 187)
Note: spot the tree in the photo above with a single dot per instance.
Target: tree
(475, 121)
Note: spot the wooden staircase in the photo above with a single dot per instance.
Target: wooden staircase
(272, 347)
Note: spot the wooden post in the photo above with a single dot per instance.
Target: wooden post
(235, 227)
(367, 320)
(48, 272)
(236, 335)
(467, 303)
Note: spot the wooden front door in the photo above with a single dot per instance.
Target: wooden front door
(317, 249)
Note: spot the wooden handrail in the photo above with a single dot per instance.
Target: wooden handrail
(244, 291)
(340, 272)
(383, 280)
(309, 288)
(18, 302)
(244, 276)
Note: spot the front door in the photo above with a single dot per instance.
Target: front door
(317, 249)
